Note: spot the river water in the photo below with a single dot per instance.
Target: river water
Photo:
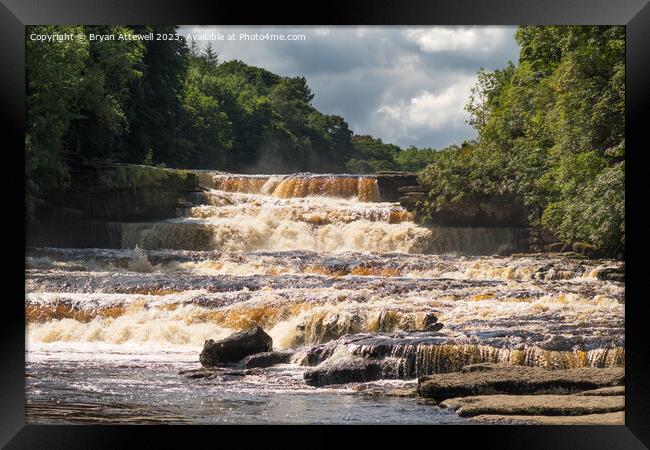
(316, 261)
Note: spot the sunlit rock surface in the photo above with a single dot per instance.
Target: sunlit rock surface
(511, 379)
(535, 405)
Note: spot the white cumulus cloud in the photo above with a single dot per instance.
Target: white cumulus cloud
(445, 39)
(429, 110)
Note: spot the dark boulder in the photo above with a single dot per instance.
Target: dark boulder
(235, 347)
(567, 248)
(431, 323)
(267, 359)
(313, 356)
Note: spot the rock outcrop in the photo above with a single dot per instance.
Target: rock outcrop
(390, 182)
(612, 274)
(479, 379)
(340, 369)
(102, 194)
(503, 394)
(430, 323)
(127, 192)
(614, 390)
(235, 347)
(267, 359)
(472, 211)
(615, 418)
(535, 405)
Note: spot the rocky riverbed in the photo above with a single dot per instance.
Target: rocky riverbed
(497, 393)
(357, 302)
(483, 392)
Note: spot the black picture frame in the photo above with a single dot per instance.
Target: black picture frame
(634, 14)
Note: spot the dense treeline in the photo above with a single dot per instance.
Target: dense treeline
(551, 131)
(115, 100)
(163, 102)
(372, 155)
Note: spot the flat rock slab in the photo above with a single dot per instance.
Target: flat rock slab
(614, 390)
(267, 359)
(385, 391)
(535, 405)
(220, 373)
(508, 379)
(615, 418)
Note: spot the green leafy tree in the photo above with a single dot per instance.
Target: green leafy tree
(414, 159)
(551, 132)
(155, 110)
(100, 124)
(372, 155)
(54, 73)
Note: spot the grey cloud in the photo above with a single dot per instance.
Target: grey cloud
(354, 72)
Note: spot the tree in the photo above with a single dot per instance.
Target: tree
(211, 56)
(52, 90)
(101, 123)
(414, 159)
(155, 110)
(550, 131)
(372, 155)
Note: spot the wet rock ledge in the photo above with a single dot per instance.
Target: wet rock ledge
(101, 193)
(483, 392)
(498, 393)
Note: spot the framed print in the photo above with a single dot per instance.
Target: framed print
(426, 214)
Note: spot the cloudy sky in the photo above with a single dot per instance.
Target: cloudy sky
(405, 85)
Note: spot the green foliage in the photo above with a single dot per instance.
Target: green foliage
(155, 113)
(550, 131)
(414, 159)
(53, 89)
(128, 100)
(371, 155)
(148, 158)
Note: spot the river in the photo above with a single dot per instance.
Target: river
(314, 260)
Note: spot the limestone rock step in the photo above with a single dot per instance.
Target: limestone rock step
(417, 188)
(535, 405)
(614, 390)
(614, 418)
(490, 378)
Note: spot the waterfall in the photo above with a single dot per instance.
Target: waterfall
(323, 213)
(364, 188)
(325, 267)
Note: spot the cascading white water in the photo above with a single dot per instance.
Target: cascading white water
(313, 260)
(318, 213)
(323, 213)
